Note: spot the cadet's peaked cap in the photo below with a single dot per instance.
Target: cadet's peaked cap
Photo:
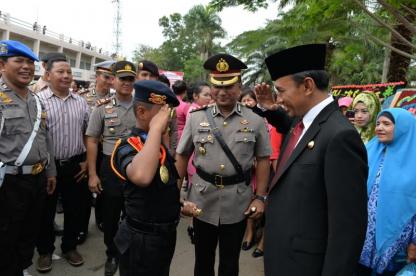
(149, 66)
(53, 56)
(154, 92)
(12, 48)
(297, 59)
(105, 66)
(124, 69)
(225, 69)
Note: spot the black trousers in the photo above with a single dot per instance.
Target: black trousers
(73, 200)
(365, 271)
(207, 236)
(21, 200)
(98, 208)
(113, 205)
(148, 254)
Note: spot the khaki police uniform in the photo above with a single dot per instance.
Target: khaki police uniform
(23, 190)
(220, 186)
(94, 98)
(246, 135)
(109, 122)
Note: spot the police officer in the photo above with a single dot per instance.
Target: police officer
(103, 83)
(147, 70)
(225, 138)
(25, 152)
(96, 96)
(110, 121)
(146, 238)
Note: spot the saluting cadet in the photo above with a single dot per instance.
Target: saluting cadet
(146, 238)
(26, 173)
(225, 138)
(67, 119)
(103, 83)
(111, 120)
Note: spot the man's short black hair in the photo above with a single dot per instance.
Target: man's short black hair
(179, 87)
(50, 63)
(320, 77)
(4, 59)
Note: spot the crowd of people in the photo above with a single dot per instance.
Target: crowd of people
(318, 185)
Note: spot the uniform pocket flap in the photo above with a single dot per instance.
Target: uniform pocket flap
(112, 122)
(245, 137)
(202, 139)
(309, 245)
(13, 113)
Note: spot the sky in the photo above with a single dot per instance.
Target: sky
(92, 20)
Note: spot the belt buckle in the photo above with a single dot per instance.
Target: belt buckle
(37, 168)
(218, 181)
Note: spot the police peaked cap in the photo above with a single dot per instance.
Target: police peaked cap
(12, 48)
(148, 66)
(225, 69)
(56, 56)
(104, 66)
(154, 92)
(124, 69)
(297, 59)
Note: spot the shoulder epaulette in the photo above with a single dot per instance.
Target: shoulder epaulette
(199, 109)
(102, 101)
(132, 141)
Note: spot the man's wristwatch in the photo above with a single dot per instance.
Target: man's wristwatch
(261, 198)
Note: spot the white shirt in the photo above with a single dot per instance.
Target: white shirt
(313, 113)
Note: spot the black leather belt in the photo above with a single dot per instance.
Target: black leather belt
(221, 181)
(155, 228)
(76, 158)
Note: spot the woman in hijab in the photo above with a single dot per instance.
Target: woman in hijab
(366, 106)
(391, 232)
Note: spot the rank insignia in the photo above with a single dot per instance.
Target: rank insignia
(202, 150)
(204, 124)
(5, 98)
(127, 67)
(244, 122)
(311, 144)
(108, 109)
(140, 66)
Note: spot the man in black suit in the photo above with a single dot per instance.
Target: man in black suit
(316, 210)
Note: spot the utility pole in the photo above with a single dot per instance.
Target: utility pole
(116, 27)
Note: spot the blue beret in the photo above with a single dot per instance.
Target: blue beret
(12, 48)
(154, 92)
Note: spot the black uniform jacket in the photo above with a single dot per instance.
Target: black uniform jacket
(316, 215)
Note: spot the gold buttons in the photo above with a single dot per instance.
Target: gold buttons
(112, 130)
(245, 139)
(222, 167)
(202, 150)
(225, 123)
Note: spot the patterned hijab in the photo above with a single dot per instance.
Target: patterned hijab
(396, 202)
(371, 101)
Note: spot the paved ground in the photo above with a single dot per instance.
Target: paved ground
(182, 263)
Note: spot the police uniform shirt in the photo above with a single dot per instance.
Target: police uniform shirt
(19, 118)
(246, 135)
(92, 98)
(111, 121)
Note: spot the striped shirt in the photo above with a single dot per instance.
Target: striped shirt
(67, 120)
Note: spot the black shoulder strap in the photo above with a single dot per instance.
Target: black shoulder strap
(224, 146)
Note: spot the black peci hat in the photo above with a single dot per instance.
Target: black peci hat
(297, 59)
(55, 56)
